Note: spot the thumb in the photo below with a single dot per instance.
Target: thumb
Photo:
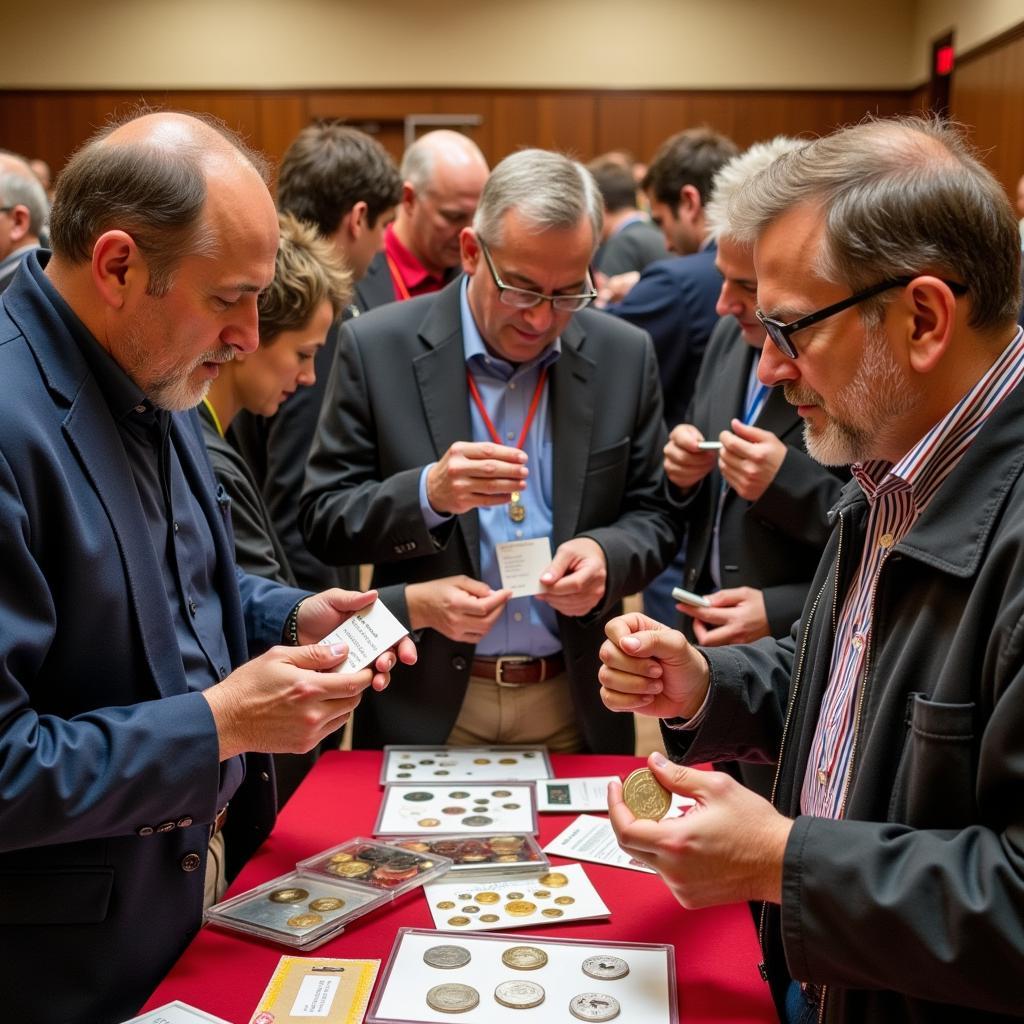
(663, 644)
(677, 778)
(558, 567)
(475, 587)
(747, 431)
(318, 657)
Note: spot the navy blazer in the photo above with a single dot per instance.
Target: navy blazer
(109, 766)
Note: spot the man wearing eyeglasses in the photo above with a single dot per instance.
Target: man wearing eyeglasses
(890, 859)
(500, 410)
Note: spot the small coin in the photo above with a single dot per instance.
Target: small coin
(507, 858)
(288, 895)
(458, 794)
(487, 897)
(458, 921)
(530, 753)
(406, 767)
(520, 908)
(594, 1006)
(508, 760)
(519, 995)
(341, 858)
(446, 905)
(426, 760)
(404, 775)
(513, 895)
(489, 918)
(418, 796)
(511, 807)
(481, 760)
(505, 844)
(304, 920)
(554, 880)
(645, 796)
(424, 865)
(552, 912)
(482, 800)
(605, 968)
(502, 793)
(325, 903)
(453, 998)
(565, 901)
(541, 894)
(442, 771)
(464, 896)
(353, 869)
(446, 957)
(416, 845)
(524, 958)
(476, 820)
(453, 810)
(473, 858)
(470, 908)
(428, 822)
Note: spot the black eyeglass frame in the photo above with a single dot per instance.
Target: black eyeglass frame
(779, 333)
(558, 302)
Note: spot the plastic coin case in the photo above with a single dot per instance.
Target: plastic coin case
(466, 808)
(464, 764)
(377, 867)
(485, 855)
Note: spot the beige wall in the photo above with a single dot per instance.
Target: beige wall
(376, 43)
(972, 21)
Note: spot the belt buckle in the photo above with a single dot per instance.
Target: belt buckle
(512, 659)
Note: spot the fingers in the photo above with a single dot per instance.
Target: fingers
(491, 604)
(632, 622)
(471, 586)
(677, 778)
(317, 657)
(347, 600)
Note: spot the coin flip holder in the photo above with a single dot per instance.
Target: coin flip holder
(485, 855)
(464, 764)
(464, 808)
(370, 866)
(645, 994)
(476, 904)
(298, 909)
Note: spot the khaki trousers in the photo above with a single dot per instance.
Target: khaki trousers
(511, 715)
(215, 883)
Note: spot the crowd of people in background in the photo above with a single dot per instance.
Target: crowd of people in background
(775, 390)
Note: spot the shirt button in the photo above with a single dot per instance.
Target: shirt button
(858, 643)
(511, 435)
(822, 777)
(222, 671)
(511, 385)
(519, 533)
(165, 826)
(144, 830)
(176, 526)
(190, 862)
(518, 616)
(265, 776)
(886, 541)
(459, 663)
(184, 822)
(192, 607)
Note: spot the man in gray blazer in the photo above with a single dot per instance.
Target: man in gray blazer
(498, 411)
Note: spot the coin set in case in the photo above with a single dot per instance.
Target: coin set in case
(462, 808)
(464, 764)
(312, 904)
(483, 978)
(471, 904)
(476, 856)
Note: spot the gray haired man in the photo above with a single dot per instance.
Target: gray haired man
(891, 857)
(23, 213)
(498, 411)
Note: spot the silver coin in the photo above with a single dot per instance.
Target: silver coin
(446, 957)
(477, 820)
(519, 995)
(594, 1006)
(453, 998)
(605, 968)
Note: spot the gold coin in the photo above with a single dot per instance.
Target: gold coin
(505, 844)
(524, 958)
(489, 918)
(487, 897)
(446, 905)
(645, 796)
(341, 858)
(542, 894)
(552, 912)
(288, 895)
(564, 900)
(481, 760)
(327, 903)
(554, 880)
(304, 920)
(520, 908)
(353, 869)
(507, 858)
(458, 922)
(428, 822)
(507, 760)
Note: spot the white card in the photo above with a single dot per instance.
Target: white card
(458, 808)
(369, 633)
(176, 1013)
(574, 794)
(521, 562)
(470, 905)
(590, 838)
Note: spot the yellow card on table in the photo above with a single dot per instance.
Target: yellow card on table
(328, 990)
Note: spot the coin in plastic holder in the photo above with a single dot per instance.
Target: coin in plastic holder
(453, 998)
(524, 958)
(605, 968)
(447, 957)
(594, 1006)
(289, 895)
(519, 995)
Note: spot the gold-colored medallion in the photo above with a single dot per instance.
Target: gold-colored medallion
(645, 796)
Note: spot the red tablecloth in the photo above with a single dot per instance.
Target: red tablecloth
(225, 973)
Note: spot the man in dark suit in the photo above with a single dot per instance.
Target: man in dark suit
(126, 699)
(23, 212)
(491, 413)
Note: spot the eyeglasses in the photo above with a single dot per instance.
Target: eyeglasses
(6, 209)
(780, 333)
(523, 298)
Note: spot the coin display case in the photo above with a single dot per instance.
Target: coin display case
(464, 764)
(481, 856)
(573, 979)
(463, 808)
(313, 903)
(489, 904)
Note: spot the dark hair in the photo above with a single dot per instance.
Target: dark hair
(328, 169)
(692, 157)
(154, 192)
(615, 183)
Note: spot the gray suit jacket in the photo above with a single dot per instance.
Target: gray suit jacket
(396, 400)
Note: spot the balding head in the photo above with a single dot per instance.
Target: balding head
(24, 205)
(151, 177)
(443, 173)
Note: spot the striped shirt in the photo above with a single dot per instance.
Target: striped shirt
(897, 494)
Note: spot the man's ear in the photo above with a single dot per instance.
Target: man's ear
(927, 307)
(471, 253)
(690, 205)
(20, 221)
(119, 272)
(408, 196)
(358, 219)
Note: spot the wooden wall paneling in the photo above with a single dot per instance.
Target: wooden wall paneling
(617, 125)
(566, 122)
(279, 118)
(469, 101)
(515, 123)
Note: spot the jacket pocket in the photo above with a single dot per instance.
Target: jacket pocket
(55, 895)
(935, 781)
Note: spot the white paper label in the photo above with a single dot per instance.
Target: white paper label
(521, 562)
(316, 994)
(369, 633)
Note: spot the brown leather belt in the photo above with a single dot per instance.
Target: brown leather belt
(218, 822)
(512, 670)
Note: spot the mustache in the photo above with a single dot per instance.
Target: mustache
(797, 395)
(224, 354)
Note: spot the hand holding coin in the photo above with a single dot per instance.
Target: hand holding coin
(645, 796)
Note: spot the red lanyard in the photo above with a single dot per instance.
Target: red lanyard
(495, 437)
(396, 277)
